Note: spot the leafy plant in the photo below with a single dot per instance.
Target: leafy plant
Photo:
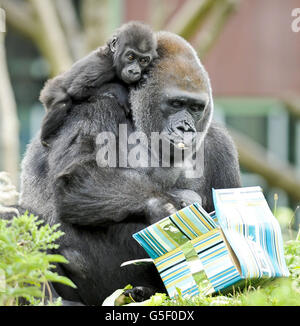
(26, 267)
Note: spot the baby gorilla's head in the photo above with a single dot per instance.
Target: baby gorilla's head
(134, 48)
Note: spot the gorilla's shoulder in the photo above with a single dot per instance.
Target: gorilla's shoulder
(221, 159)
(219, 144)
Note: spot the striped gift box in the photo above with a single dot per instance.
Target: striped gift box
(189, 252)
(198, 252)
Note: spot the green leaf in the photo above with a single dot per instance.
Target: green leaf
(128, 287)
(25, 291)
(54, 277)
(57, 259)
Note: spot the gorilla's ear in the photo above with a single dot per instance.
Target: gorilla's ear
(112, 44)
(203, 124)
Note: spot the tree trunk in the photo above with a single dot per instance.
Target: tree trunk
(9, 125)
(213, 25)
(51, 38)
(190, 17)
(95, 17)
(71, 27)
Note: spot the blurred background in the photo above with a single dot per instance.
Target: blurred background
(249, 47)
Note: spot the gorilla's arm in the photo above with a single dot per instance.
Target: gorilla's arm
(88, 195)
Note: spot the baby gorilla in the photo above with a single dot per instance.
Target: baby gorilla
(123, 60)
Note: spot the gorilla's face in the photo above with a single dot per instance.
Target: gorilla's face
(132, 64)
(134, 48)
(181, 111)
(176, 99)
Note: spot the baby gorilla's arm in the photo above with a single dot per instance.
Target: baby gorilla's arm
(89, 73)
(76, 84)
(57, 101)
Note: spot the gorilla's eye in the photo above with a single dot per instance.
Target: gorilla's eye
(176, 103)
(130, 56)
(197, 107)
(145, 60)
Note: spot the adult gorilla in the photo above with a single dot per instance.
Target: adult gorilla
(100, 208)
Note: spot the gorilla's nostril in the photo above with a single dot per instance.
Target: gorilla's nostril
(133, 72)
(181, 128)
(186, 127)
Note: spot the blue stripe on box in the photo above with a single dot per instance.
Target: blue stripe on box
(193, 221)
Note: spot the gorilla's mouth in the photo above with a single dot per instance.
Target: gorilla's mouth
(181, 134)
(130, 79)
(181, 145)
(179, 142)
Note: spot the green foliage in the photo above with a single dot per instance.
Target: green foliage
(281, 292)
(26, 268)
(284, 216)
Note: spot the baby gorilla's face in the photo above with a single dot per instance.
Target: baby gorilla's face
(134, 47)
(133, 64)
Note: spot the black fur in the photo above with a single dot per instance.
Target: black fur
(100, 208)
(106, 64)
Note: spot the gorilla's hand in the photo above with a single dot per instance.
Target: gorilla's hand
(139, 293)
(158, 208)
(186, 197)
